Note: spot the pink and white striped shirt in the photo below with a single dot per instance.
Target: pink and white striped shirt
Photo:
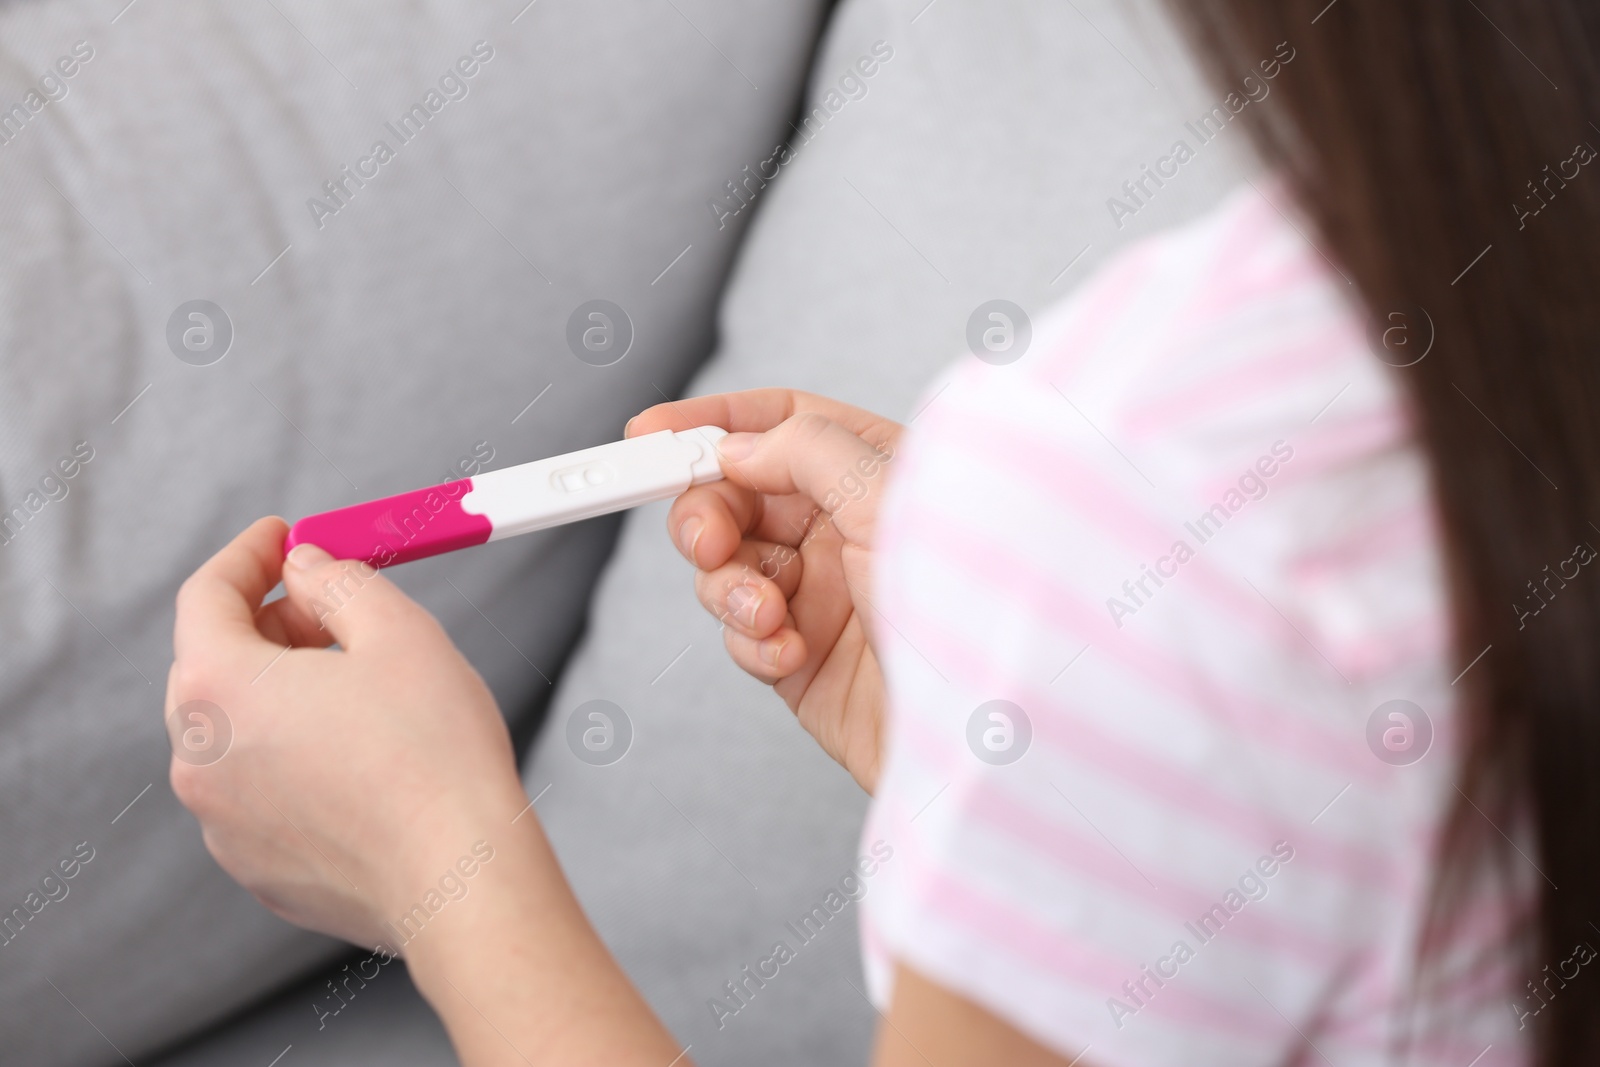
(1149, 593)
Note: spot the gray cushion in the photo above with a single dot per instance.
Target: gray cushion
(373, 348)
(358, 1023)
(977, 166)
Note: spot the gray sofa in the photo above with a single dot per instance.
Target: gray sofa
(945, 154)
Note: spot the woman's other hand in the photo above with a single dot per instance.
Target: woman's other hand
(783, 552)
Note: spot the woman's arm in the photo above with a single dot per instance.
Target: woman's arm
(519, 976)
(928, 1024)
(524, 980)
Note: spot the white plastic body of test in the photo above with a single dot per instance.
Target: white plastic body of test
(594, 481)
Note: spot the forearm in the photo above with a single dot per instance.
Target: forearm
(519, 976)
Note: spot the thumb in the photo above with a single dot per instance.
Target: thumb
(348, 598)
(811, 454)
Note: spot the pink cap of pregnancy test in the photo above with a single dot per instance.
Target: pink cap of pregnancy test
(395, 529)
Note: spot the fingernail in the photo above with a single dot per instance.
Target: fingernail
(689, 535)
(306, 555)
(772, 649)
(737, 446)
(627, 430)
(743, 603)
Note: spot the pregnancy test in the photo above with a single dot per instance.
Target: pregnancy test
(515, 500)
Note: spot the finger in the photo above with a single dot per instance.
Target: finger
(751, 591)
(350, 600)
(778, 563)
(758, 410)
(812, 455)
(285, 622)
(219, 601)
(772, 658)
(707, 522)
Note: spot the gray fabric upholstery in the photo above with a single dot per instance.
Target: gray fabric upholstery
(373, 348)
(381, 1023)
(977, 166)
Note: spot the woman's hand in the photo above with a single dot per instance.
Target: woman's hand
(370, 792)
(337, 785)
(783, 552)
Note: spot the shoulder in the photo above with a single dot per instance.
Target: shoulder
(1197, 499)
(1213, 397)
(1142, 592)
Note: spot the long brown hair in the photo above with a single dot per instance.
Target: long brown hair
(1442, 150)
